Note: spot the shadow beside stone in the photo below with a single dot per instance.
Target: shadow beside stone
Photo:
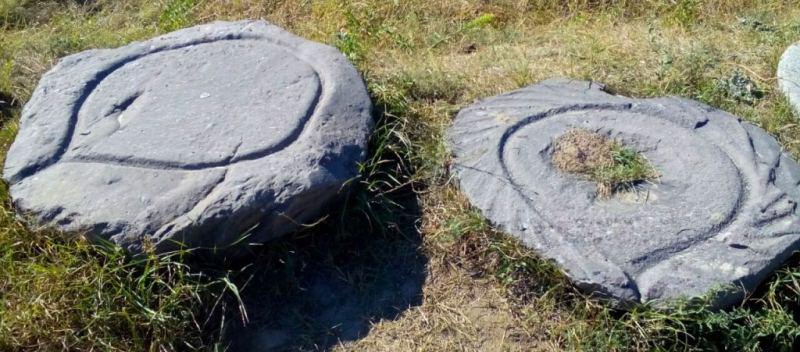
(326, 286)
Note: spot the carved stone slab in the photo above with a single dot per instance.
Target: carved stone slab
(196, 136)
(789, 76)
(722, 216)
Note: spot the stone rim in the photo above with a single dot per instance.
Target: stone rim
(585, 206)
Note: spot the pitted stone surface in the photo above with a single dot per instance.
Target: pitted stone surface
(789, 76)
(197, 136)
(721, 217)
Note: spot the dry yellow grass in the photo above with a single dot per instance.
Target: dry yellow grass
(581, 151)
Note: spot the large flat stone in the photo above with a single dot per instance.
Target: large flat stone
(789, 76)
(197, 136)
(722, 216)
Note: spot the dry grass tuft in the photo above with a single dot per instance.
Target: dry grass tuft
(607, 162)
(582, 152)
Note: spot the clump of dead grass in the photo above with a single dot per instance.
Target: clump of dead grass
(605, 161)
(582, 152)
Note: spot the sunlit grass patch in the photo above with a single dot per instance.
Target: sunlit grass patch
(70, 294)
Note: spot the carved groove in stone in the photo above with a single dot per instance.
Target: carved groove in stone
(725, 185)
(161, 164)
(195, 137)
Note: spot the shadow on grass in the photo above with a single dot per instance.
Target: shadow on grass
(326, 286)
(8, 106)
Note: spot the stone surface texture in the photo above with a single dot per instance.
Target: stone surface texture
(197, 136)
(789, 76)
(721, 218)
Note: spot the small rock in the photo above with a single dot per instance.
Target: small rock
(469, 48)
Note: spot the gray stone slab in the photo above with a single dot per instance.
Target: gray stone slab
(789, 76)
(196, 136)
(721, 218)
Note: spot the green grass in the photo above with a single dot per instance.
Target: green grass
(75, 295)
(176, 14)
(423, 61)
(629, 168)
